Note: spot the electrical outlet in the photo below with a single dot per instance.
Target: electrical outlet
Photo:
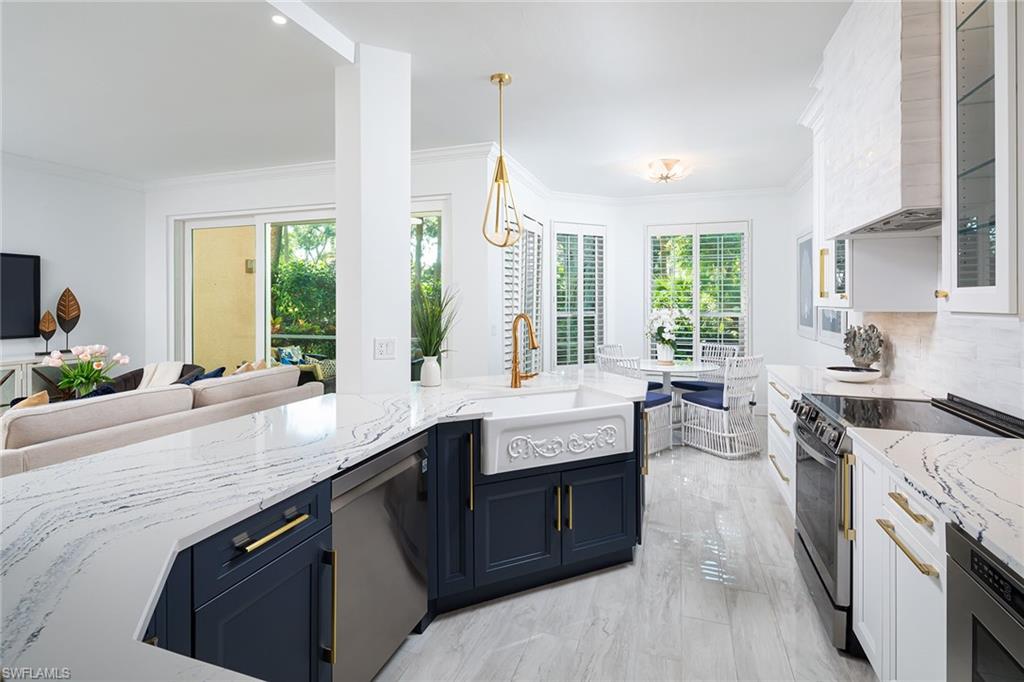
(384, 348)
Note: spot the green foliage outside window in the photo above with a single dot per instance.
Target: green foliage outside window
(302, 286)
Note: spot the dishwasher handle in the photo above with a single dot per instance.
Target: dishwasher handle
(380, 479)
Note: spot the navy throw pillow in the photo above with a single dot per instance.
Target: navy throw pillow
(105, 389)
(212, 374)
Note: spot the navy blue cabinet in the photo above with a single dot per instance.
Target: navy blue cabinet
(517, 527)
(275, 624)
(171, 624)
(599, 511)
(455, 464)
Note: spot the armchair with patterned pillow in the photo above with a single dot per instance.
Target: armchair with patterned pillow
(312, 367)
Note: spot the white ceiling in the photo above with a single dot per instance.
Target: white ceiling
(156, 90)
(599, 89)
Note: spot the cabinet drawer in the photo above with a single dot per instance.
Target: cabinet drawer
(781, 392)
(780, 467)
(236, 552)
(781, 422)
(921, 519)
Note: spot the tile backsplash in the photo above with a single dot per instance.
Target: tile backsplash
(977, 357)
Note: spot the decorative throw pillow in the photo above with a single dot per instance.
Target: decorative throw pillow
(289, 355)
(212, 374)
(243, 368)
(262, 364)
(41, 398)
(105, 389)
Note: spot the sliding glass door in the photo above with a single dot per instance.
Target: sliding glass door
(301, 295)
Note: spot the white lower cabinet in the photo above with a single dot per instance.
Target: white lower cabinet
(899, 581)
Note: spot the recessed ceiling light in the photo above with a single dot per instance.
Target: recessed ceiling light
(279, 20)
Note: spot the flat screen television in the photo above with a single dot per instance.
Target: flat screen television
(19, 296)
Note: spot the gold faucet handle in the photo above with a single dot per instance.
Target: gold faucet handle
(523, 376)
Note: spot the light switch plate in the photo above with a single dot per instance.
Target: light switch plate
(384, 348)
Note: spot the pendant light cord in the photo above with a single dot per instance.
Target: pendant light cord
(501, 118)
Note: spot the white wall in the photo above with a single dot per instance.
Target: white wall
(87, 228)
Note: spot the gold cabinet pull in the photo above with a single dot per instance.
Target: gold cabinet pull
(822, 292)
(848, 461)
(332, 655)
(472, 502)
(890, 530)
(778, 390)
(558, 508)
(778, 423)
(647, 455)
(904, 504)
(152, 641)
(570, 507)
(252, 546)
(775, 464)
(942, 293)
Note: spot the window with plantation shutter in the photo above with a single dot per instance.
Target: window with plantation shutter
(579, 297)
(702, 271)
(522, 292)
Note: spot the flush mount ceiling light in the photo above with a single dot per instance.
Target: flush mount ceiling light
(501, 226)
(666, 170)
(279, 20)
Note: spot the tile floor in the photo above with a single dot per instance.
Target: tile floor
(713, 594)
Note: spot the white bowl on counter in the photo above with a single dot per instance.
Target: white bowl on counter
(853, 375)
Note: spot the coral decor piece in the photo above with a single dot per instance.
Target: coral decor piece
(864, 345)
(89, 371)
(68, 313)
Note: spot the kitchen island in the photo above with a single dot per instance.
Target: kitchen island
(86, 546)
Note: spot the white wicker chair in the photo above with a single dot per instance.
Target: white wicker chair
(658, 417)
(712, 353)
(722, 422)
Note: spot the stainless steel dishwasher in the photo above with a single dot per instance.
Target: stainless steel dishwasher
(379, 517)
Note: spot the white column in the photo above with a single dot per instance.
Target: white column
(372, 140)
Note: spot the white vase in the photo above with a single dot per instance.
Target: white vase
(430, 373)
(666, 356)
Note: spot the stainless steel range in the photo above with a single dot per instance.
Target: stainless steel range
(824, 484)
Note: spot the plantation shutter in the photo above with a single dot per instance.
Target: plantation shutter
(723, 289)
(579, 299)
(522, 291)
(671, 285)
(702, 271)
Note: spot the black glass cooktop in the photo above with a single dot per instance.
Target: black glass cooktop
(897, 415)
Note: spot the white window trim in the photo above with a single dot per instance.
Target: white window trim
(579, 229)
(696, 229)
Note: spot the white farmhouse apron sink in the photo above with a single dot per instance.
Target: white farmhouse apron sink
(541, 429)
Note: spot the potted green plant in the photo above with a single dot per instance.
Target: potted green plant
(432, 321)
(89, 371)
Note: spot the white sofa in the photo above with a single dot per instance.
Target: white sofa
(34, 437)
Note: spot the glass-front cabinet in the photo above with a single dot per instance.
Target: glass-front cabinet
(980, 116)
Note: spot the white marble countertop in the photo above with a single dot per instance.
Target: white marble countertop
(814, 380)
(976, 481)
(85, 546)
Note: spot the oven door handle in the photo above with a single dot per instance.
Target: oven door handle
(810, 450)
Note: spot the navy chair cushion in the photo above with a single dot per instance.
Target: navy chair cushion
(694, 385)
(710, 398)
(655, 385)
(655, 399)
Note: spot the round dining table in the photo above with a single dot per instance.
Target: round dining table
(676, 369)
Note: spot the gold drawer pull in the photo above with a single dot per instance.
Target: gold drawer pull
(849, 460)
(890, 530)
(942, 293)
(822, 291)
(252, 546)
(778, 390)
(645, 467)
(904, 503)
(472, 502)
(152, 641)
(778, 423)
(775, 464)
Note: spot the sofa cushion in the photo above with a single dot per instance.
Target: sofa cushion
(30, 425)
(244, 385)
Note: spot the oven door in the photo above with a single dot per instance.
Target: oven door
(983, 641)
(820, 498)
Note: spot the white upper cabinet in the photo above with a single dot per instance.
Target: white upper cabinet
(881, 105)
(980, 225)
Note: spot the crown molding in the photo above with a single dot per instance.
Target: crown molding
(462, 152)
(72, 172)
(289, 172)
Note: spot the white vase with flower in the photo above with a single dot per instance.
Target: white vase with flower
(661, 329)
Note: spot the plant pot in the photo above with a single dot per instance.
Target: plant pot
(430, 372)
(666, 354)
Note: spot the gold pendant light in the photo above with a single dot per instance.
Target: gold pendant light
(501, 225)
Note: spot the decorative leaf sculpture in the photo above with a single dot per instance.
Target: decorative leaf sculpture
(47, 326)
(68, 311)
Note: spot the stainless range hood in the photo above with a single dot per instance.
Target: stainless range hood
(909, 222)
